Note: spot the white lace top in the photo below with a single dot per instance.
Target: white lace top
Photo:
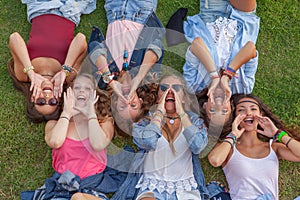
(166, 171)
(223, 31)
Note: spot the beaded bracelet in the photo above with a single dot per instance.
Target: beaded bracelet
(231, 136)
(282, 133)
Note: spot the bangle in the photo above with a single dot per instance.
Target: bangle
(228, 142)
(231, 136)
(102, 67)
(64, 117)
(231, 70)
(27, 69)
(282, 133)
(287, 143)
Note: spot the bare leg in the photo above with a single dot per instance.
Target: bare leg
(83, 196)
(20, 55)
(245, 5)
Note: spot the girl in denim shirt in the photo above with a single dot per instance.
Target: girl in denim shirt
(222, 55)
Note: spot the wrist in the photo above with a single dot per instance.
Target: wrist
(28, 69)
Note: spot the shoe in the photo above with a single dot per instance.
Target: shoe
(174, 28)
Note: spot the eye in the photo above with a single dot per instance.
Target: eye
(133, 105)
(212, 110)
(225, 111)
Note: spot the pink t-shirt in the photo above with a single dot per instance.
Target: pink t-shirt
(79, 158)
(121, 35)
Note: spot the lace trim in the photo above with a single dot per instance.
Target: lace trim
(167, 186)
(224, 27)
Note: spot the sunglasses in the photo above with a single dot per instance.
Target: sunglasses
(176, 87)
(43, 101)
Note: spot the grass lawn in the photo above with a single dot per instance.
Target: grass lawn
(25, 159)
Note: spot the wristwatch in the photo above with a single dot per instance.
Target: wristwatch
(27, 69)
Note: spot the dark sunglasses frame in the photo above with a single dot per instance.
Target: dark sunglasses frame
(176, 87)
(43, 101)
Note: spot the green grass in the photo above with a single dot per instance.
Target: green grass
(25, 159)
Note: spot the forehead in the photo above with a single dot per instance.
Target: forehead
(170, 80)
(80, 80)
(247, 102)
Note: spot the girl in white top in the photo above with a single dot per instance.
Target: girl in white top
(249, 162)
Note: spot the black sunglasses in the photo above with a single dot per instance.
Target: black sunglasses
(176, 87)
(43, 101)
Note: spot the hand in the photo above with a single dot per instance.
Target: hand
(225, 85)
(162, 101)
(269, 129)
(89, 109)
(117, 88)
(58, 82)
(178, 104)
(69, 101)
(213, 85)
(36, 82)
(134, 85)
(235, 126)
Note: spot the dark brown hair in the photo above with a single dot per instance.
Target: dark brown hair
(24, 87)
(213, 129)
(266, 111)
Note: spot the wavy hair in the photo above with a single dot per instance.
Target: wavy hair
(24, 87)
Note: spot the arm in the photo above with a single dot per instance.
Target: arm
(56, 131)
(149, 60)
(199, 49)
(246, 53)
(22, 61)
(100, 135)
(289, 150)
(76, 53)
(222, 152)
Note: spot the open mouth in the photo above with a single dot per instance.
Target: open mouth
(125, 90)
(249, 121)
(81, 98)
(170, 99)
(47, 89)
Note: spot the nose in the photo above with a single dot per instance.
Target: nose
(249, 112)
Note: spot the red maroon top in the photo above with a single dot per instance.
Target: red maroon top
(50, 36)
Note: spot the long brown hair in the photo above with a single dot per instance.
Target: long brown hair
(266, 111)
(24, 87)
(212, 128)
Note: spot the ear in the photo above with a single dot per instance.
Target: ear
(141, 100)
(204, 106)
